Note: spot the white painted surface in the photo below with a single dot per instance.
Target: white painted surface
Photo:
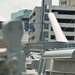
(56, 28)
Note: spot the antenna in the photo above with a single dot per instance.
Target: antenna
(56, 28)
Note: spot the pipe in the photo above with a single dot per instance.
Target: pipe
(69, 53)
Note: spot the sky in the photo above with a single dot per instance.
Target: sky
(9, 6)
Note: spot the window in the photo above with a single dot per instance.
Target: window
(63, 2)
(68, 29)
(65, 29)
(46, 26)
(30, 17)
(32, 38)
(66, 20)
(46, 17)
(52, 36)
(68, 12)
(47, 8)
(34, 14)
(29, 40)
(51, 29)
(33, 21)
(46, 34)
(70, 37)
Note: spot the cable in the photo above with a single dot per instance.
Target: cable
(69, 23)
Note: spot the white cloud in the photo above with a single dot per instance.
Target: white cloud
(9, 6)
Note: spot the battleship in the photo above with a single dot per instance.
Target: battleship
(40, 58)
